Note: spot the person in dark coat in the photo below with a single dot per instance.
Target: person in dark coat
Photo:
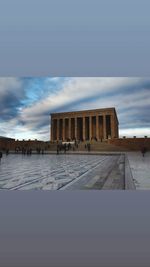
(143, 150)
(57, 149)
(7, 152)
(1, 155)
(65, 148)
(89, 147)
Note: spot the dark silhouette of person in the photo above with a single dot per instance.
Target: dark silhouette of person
(1, 155)
(65, 148)
(143, 150)
(7, 152)
(89, 147)
(57, 149)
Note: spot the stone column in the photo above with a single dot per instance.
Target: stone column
(52, 129)
(83, 124)
(57, 129)
(97, 127)
(90, 127)
(117, 129)
(75, 119)
(112, 126)
(69, 128)
(104, 127)
(63, 129)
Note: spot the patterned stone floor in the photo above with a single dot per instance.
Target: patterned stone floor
(50, 172)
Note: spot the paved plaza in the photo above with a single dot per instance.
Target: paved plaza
(140, 168)
(54, 171)
(71, 172)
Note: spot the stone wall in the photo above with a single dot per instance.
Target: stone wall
(33, 144)
(134, 144)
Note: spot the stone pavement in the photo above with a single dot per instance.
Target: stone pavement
(93, 170)
(108, 174)
(52, 172)
(140, 168)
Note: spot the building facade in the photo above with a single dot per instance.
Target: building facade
(98, 124)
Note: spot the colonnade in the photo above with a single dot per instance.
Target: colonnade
(98, 127)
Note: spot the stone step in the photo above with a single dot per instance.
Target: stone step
(101, 146)
(97, 146)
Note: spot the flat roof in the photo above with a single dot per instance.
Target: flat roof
(88, 110)
(85, 110)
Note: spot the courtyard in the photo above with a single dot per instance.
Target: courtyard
(74, 171)
(53, 172)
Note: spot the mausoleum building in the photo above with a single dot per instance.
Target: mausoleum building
(98, 124)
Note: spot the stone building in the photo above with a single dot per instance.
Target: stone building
(98, 124)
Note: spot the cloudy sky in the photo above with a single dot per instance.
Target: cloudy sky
(25, 103)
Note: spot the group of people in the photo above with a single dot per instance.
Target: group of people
(60, 147)
(88, 146)
(39, 150)
(23, 150)
(63, 147)
(28, 151)
(68, 146)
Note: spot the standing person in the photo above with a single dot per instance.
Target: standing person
(75, 142)
(65, 148)
(7, 152)
(143, 150)
(89, 147)
(69, 146)
(57, 149)
(1, 155)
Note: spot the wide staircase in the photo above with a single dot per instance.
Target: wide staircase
(101, 146)
(94, 146)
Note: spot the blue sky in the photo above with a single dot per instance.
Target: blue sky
(25, 103)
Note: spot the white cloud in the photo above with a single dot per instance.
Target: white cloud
(10, 85)
(139, 132)
(13, 130)
(77, 89)
(93, 92)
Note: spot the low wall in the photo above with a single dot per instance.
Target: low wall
(12, 145)
(134, 144)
